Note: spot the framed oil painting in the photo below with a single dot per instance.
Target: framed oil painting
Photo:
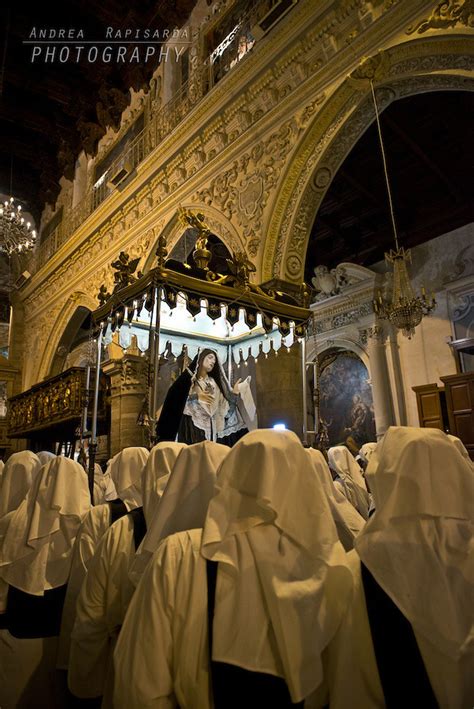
(346, 400)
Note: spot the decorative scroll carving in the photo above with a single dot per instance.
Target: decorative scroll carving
(243, 190)
(309, 192)
(448, 13)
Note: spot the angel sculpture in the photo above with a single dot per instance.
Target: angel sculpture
(124, 270)
(328, 282)
(196, 221)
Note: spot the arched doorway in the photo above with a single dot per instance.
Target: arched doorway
(73, 346)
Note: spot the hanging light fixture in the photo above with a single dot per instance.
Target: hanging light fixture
(16, 235)
(405, 309)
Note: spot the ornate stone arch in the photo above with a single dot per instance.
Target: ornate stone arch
(173, 230)
(344, 343)
(430, 64)
(64, 328)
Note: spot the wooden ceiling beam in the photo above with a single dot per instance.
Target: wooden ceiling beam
(429, 162)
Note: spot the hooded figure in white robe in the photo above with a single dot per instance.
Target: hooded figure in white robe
(35, 560)
(282, 584)
(125, 470)
(19, 476)
(366, 451)
(418, 546)
(45, 457)
(350, 480)
(347, 520)
(104, 488)
(461, 447)
(107, 590)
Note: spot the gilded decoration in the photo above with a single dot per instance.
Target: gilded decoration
(123, 220)
(57, 403)
(159, 188)
(299, 199)
(447, 14)
(242, 192)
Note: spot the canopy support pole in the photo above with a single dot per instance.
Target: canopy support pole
(155, 359)
(93, 440)
(303, 379)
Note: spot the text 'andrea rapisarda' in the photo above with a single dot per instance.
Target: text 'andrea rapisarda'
(62, 45)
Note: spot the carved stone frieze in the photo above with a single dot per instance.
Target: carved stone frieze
(256, 172)
(308, 112)
(350, 315)
(263, 96)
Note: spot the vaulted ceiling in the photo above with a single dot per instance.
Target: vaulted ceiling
(430, 157)
(50, 111)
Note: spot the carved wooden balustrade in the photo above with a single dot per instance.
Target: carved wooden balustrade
(56, 405)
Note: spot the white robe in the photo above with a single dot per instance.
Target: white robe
(100, 610)
(162, 647)
(281, 590)
(36, 556)
(161, 659)
(352, 672)
(125, 470)
(93, 528)
(107, 590)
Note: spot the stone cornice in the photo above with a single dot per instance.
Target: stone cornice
(351, 298)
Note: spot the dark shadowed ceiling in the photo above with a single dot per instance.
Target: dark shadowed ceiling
(50, 111)
(430, 156)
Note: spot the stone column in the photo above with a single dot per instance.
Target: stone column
(381, 392)
(128, 377)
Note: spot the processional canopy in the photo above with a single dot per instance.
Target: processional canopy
(281, 305)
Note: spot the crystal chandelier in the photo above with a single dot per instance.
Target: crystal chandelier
(16, 235)
(405, 309)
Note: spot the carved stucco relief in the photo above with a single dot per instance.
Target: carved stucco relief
(243, 191)
(338, 126)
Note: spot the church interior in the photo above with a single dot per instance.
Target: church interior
(236, 353)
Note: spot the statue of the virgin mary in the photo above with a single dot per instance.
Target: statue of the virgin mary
(200, 405)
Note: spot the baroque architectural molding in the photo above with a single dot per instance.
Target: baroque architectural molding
(242, 192)
(447, 14)
(241, 133)
(239, 100)
(406, 69)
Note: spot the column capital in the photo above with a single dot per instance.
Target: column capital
(376, 334)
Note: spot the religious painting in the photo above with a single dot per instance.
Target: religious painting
(346, 400)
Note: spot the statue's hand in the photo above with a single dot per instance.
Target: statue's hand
(235, 388)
